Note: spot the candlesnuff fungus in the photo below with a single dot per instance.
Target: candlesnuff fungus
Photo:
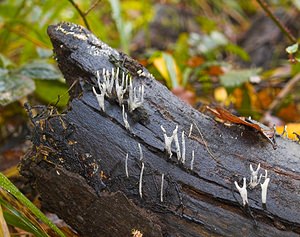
(190, 131)
(285, 132)
(125, 120)
(141, 180)
(141, 152)
(183, 148)
(264, 188)
(192, 161)
(100, 97)
(254, 180)
(168, 140)
(121, 88)
(126, 166)
(109, 79)
(162, 188)
(136, 96)
(177, 144)
(243, 191)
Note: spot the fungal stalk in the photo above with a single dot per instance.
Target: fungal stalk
(141, 152)
(141, 180)
(177, 143)
(109, 79)
(264, 188)
(191, 129)
(121, 88)
(125, 120)
(162, 188)
(136, 96)
(183, 148)
(100, 97)
(243, 191)
(126, 166)
(285, 132)
(192, 161)
(254, 180)
(168, 140)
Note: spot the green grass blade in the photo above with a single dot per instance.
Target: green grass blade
(12, 189)
(15, 218)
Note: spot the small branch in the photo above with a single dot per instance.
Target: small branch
(92, 7)
(283, 29)
(82, 14)
(287, 88)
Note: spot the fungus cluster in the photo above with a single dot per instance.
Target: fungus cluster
(254, 181)
(113, 84)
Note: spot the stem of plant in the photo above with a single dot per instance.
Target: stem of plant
(283, 29)
(81, 14)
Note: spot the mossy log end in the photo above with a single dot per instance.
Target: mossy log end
(77, 161)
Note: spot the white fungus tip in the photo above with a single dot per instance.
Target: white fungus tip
(141, 180)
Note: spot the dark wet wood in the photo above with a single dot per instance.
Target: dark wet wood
(78, 160)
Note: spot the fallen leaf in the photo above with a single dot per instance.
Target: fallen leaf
(3, 226)
(290, 128)
(215, 70)
(195, 61)
(220, 94)
(225, 115)
(289, 113)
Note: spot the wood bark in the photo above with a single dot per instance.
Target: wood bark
(77, 161)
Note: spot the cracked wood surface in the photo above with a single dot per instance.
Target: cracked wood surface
(89, 147)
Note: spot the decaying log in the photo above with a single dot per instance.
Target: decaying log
(77, 161)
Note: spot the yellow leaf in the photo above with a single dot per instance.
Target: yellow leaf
(220, 94)
(291, 128)
(3, 226)
(161, 66)
(168, 68)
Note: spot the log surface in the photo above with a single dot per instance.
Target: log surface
(77, 161)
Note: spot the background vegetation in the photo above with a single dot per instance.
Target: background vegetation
(226, 52)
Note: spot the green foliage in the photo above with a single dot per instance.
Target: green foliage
(203, 44)
(40, 70)
(13, 86)
(181, 50)
(236, 78)
(52, 92)
(15, 83)
(15, 218)
(171, 68)
(292, 49)
(13, 190)
(124, 28)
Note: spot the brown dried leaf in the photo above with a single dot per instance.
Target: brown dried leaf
(229, 117)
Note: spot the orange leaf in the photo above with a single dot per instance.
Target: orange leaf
(195, 61)
(227, 116)
(215, 71)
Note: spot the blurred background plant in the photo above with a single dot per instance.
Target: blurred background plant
(226, 52)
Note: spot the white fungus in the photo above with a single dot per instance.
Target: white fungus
(243, 191)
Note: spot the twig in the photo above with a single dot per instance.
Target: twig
(92, 7)
(205, 144)
(287, 88)
(297, 135)
(81, 14)
(283, 29)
